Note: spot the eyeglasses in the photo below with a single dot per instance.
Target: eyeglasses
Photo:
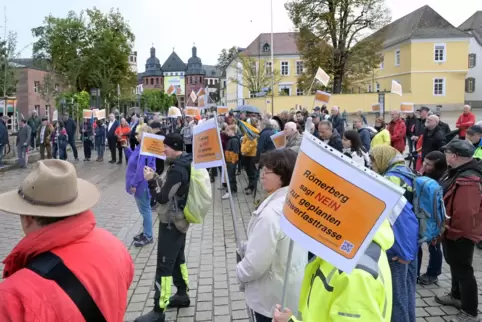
(265, 171)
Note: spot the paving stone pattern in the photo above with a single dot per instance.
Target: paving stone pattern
(210, 251)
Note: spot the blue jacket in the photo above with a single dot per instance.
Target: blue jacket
(365, 138)
(135, 170)
(99, 135)
(265, 143)
(3, 133)
(405, 227)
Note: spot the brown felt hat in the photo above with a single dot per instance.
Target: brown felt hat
(51, 189)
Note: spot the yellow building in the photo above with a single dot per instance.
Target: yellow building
(426, 55)
(287, 62)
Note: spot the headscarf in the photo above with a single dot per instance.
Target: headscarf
(384, 157)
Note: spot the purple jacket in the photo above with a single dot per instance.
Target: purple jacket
(135, 170)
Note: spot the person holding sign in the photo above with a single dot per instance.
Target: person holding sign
(365, 295)
(388, 162)
(262, 268)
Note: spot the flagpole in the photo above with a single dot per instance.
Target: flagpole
(272, 62)
(312, 83)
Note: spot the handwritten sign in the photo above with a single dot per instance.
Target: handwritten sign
(322, 97)
(222, 109)
(279, 139)
(192, 111)
(87, 114)
(153, 145)
(376, 107)
(396, 88)
(207, 151)
(323, 208)
(406, 107)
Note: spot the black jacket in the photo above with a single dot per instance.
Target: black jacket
(410, 123)
(335, 141)
(338, 123)
(111, 132)
(3, 133)
(265, 143)
(444, 127)
(419, 127)
(433, 140)
(70, 127)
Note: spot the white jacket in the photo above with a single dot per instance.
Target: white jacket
(262, 269)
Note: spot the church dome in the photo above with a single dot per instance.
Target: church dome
(153, 66)
(194, 64)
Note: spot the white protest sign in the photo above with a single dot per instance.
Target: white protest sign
(334, 206)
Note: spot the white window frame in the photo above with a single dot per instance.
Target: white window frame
(444, 86)
(299, 92)
(369, 88)
(296, 67)
(281, 67)
(283, 87)
(444, 58)
(36, 86)
(399, 55)
(37, 109)
(266, 64)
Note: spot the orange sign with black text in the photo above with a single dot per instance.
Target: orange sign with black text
(207, 151)
(329, 208)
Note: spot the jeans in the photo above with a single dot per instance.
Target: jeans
(232, 176)
(100, 150)
(143, 202)
(434, 268)
(71, 142)
(22, 152)
(261, 318)
(171, 265)
(459, 254)
(404, 279)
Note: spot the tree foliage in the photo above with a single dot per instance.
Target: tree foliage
(255, 77)
(87, 50)
(156, 100)
(330, 33)
(73, 103)
(8, 77)
(226, 57)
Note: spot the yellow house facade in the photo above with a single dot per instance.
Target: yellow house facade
(427, 56)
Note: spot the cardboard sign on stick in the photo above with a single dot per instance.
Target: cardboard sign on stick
(207, 152)
(323, 211)
(222, 109)
(99, 114)
(376, 107)
(322, 97)
(87, 114)
(406, 107)
(279, 139)
(153, 145)
(192, 111)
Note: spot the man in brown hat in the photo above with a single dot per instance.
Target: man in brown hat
(65, 268)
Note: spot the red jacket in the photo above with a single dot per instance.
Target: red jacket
(100, 261)
(463, 202)
(464, 122)
(398, 131)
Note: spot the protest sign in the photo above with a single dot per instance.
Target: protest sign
(87, 114)
(396, 88)
(153, 145)
(279, 139)
(322, 76)
(376, 107)
(207, 151)
(222, 109)
(406, 107)
(174, 112)
(322, 97)
(334, 206)
(192, 111)
(99, 114)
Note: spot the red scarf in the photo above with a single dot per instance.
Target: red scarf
(47, 238)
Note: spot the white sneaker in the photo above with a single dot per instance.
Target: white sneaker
(226, 196)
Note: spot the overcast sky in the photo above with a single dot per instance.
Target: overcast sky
(211, 24)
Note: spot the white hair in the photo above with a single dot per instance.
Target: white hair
(291, 125)
(467, 105)
(274, 125)
(335, 108)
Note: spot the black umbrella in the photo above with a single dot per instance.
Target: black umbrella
(247, 109)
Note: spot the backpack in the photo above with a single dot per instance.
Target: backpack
(199, 197)
(428, 204)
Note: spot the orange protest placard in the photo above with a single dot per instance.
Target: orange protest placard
(279, 140)
(192, 111)
(223, 109)
(87, 114)
(206, 147)
(100, 114)
(153, 145)
(376, 107)
(322, 97)
(327, 207)
(406, 107)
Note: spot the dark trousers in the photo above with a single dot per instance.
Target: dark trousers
(171, 265)
(250, 168)
(133, 143)
(188, 148)
(87, 148)
(33, 139)
(71, 142)
(459, 254)
(112, 142)
(262, 318)
(434, 268)
(120, 149)
(410, 143)
(45, 148)
(232, 176)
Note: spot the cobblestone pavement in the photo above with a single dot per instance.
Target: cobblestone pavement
(210, 251)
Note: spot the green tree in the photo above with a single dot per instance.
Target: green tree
(87, 50)
(8, 77)
(48, 89)
(334, 29)
(156, 100)
(226, 57)
(73, 103)
(255, 77)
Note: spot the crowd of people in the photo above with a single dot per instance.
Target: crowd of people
(380, 288)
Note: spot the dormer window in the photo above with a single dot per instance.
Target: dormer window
(266, 48)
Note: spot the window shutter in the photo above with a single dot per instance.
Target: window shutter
(475, 62)
(473, 85)
(466, 85)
